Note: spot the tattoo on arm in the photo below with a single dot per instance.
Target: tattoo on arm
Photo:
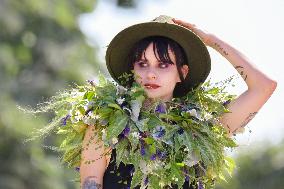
(90, 183)
(246, 121)
(241, 71)
(221, 49)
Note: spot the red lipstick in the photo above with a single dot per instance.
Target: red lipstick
(151, 86)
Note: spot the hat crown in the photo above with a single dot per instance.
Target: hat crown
(163, 19)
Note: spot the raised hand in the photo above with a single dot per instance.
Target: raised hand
(205, 36)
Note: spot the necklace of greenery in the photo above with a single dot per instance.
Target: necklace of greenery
(167, 142)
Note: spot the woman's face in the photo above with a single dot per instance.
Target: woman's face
(158, 78)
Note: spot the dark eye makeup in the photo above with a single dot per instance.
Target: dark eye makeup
(143, 63)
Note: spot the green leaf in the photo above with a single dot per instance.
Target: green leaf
(176, 174)
(154, 182)
(117, 123)
(136, 179)
(114, 106)
(122, 152)
(149, 140)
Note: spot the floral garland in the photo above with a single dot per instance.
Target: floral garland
(167, 142)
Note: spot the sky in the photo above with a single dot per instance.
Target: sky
(254, 27)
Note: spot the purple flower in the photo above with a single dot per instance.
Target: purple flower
(146, 181)
(153, 157)
(200, 185)
(160, 132)
(91, 82)
(126, 131)
(185, 171)
(77, 169)
(161, 155)
(184, 108)
(187, 178)
(161, 108)
(64, 119)
(226, 102)
(142, 149)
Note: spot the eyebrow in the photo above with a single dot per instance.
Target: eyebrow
(146, 60)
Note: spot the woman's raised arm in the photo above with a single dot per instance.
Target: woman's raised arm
(260, 86)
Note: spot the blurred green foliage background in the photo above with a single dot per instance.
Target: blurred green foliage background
(42, 51)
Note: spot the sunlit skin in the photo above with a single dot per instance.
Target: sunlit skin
(158, 78)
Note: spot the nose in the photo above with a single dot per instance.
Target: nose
(151, 75)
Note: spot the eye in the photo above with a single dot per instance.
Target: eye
(141, 64)
(163, 65)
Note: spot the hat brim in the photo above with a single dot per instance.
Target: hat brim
(198, 57)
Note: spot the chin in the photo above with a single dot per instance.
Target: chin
(156, 96)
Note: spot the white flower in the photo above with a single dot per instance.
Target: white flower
(94, 116)
(208, 116)
(89, 105)
(194, 113)
(120, 100)
(114, 140)
(135, 134)
(78, 116)
(104, 134)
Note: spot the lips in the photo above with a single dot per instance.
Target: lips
(151, 86)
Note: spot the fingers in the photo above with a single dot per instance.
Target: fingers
(185, 24)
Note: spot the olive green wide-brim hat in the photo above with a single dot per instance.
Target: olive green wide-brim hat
(197, 54)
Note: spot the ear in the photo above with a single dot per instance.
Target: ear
(184, 70)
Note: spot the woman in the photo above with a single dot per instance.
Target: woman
(164, 68)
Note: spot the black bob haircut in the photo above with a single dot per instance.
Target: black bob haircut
(161, 45)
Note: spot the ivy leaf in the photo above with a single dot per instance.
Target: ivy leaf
(117, 123)
(122, 152)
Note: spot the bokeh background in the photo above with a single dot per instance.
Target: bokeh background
(48, 45)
